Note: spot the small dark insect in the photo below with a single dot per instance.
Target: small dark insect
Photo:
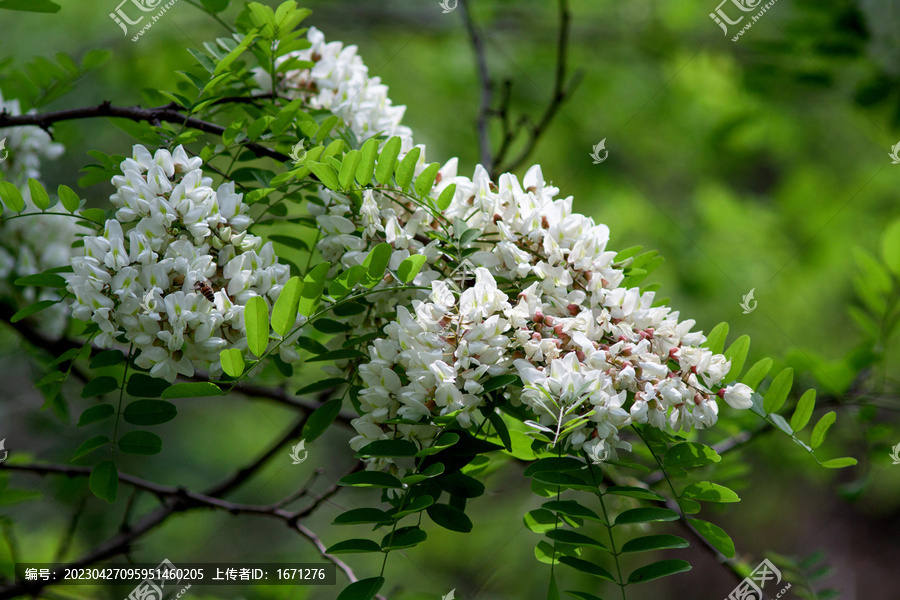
(206, 289)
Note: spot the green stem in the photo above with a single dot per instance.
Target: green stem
(121, 396)
(609, 526)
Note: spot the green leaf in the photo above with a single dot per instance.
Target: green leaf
(460, 485)
(362, 515)
(446, 440)
(366, 167)
(554, 463)
(425, 180)
(410, 267)
(234, 54)
(284, 313)
(655, 542)
(90, 445)
(199, 389)
(389, 448)
(326, 174)
(778, 391)
(634, 492)
(758, 372)
(256, 320)
(32, 309)
(890, 247)
(364, 589)
(387, 159)
(540, 520)
(449, 517)
(821, 429)
(432, 470)
(39, 6)
(325, 128)
(321, 419)
(571, 508)
(804, 410)
(376, 264)
(689, 455)
(500, 381)
(708, 491)
(737, 354)
(659, 569)
(583, 595)
(715, 535)
(322, 384)
(38, 194)
(715, 341)
(107, 358)
(839, 463)
(567, 536)
(99, 386)
(586, 567)
(344, 283)
(564, 480)
(215, 6)
(417, 504)
(96, 413)
(104, 481)
(404, 537)
(446, 197)
(140, 384)
(149, 412)
(646, 514)
(313, 286)
(289, 241)
(407, 168)
(232, 361)
(354, 546)
(140, 442)
(348, 168)
(371, 479)
(48, 280)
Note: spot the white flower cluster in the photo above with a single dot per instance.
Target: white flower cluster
(339, 82)
(594, 356)
(28, 247)
(172, 272)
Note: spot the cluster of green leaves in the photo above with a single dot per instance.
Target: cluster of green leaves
(775, 398)
(41, 80)
(445, 468)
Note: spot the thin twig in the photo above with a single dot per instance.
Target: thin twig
(170, 113)
(484, 137)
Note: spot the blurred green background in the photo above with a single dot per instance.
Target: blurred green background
(756, 165)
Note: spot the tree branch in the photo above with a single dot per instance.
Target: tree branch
(484, 137)
(170, 113)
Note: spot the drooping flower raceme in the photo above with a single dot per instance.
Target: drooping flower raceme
(594, 356)
(138, 280)
(26, 246)
(339, 81)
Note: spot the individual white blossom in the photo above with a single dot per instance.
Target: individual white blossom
(138, 281)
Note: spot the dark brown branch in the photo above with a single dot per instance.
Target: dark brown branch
(562, 90)
(175, 500)
(484, 137)
(169, 113)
